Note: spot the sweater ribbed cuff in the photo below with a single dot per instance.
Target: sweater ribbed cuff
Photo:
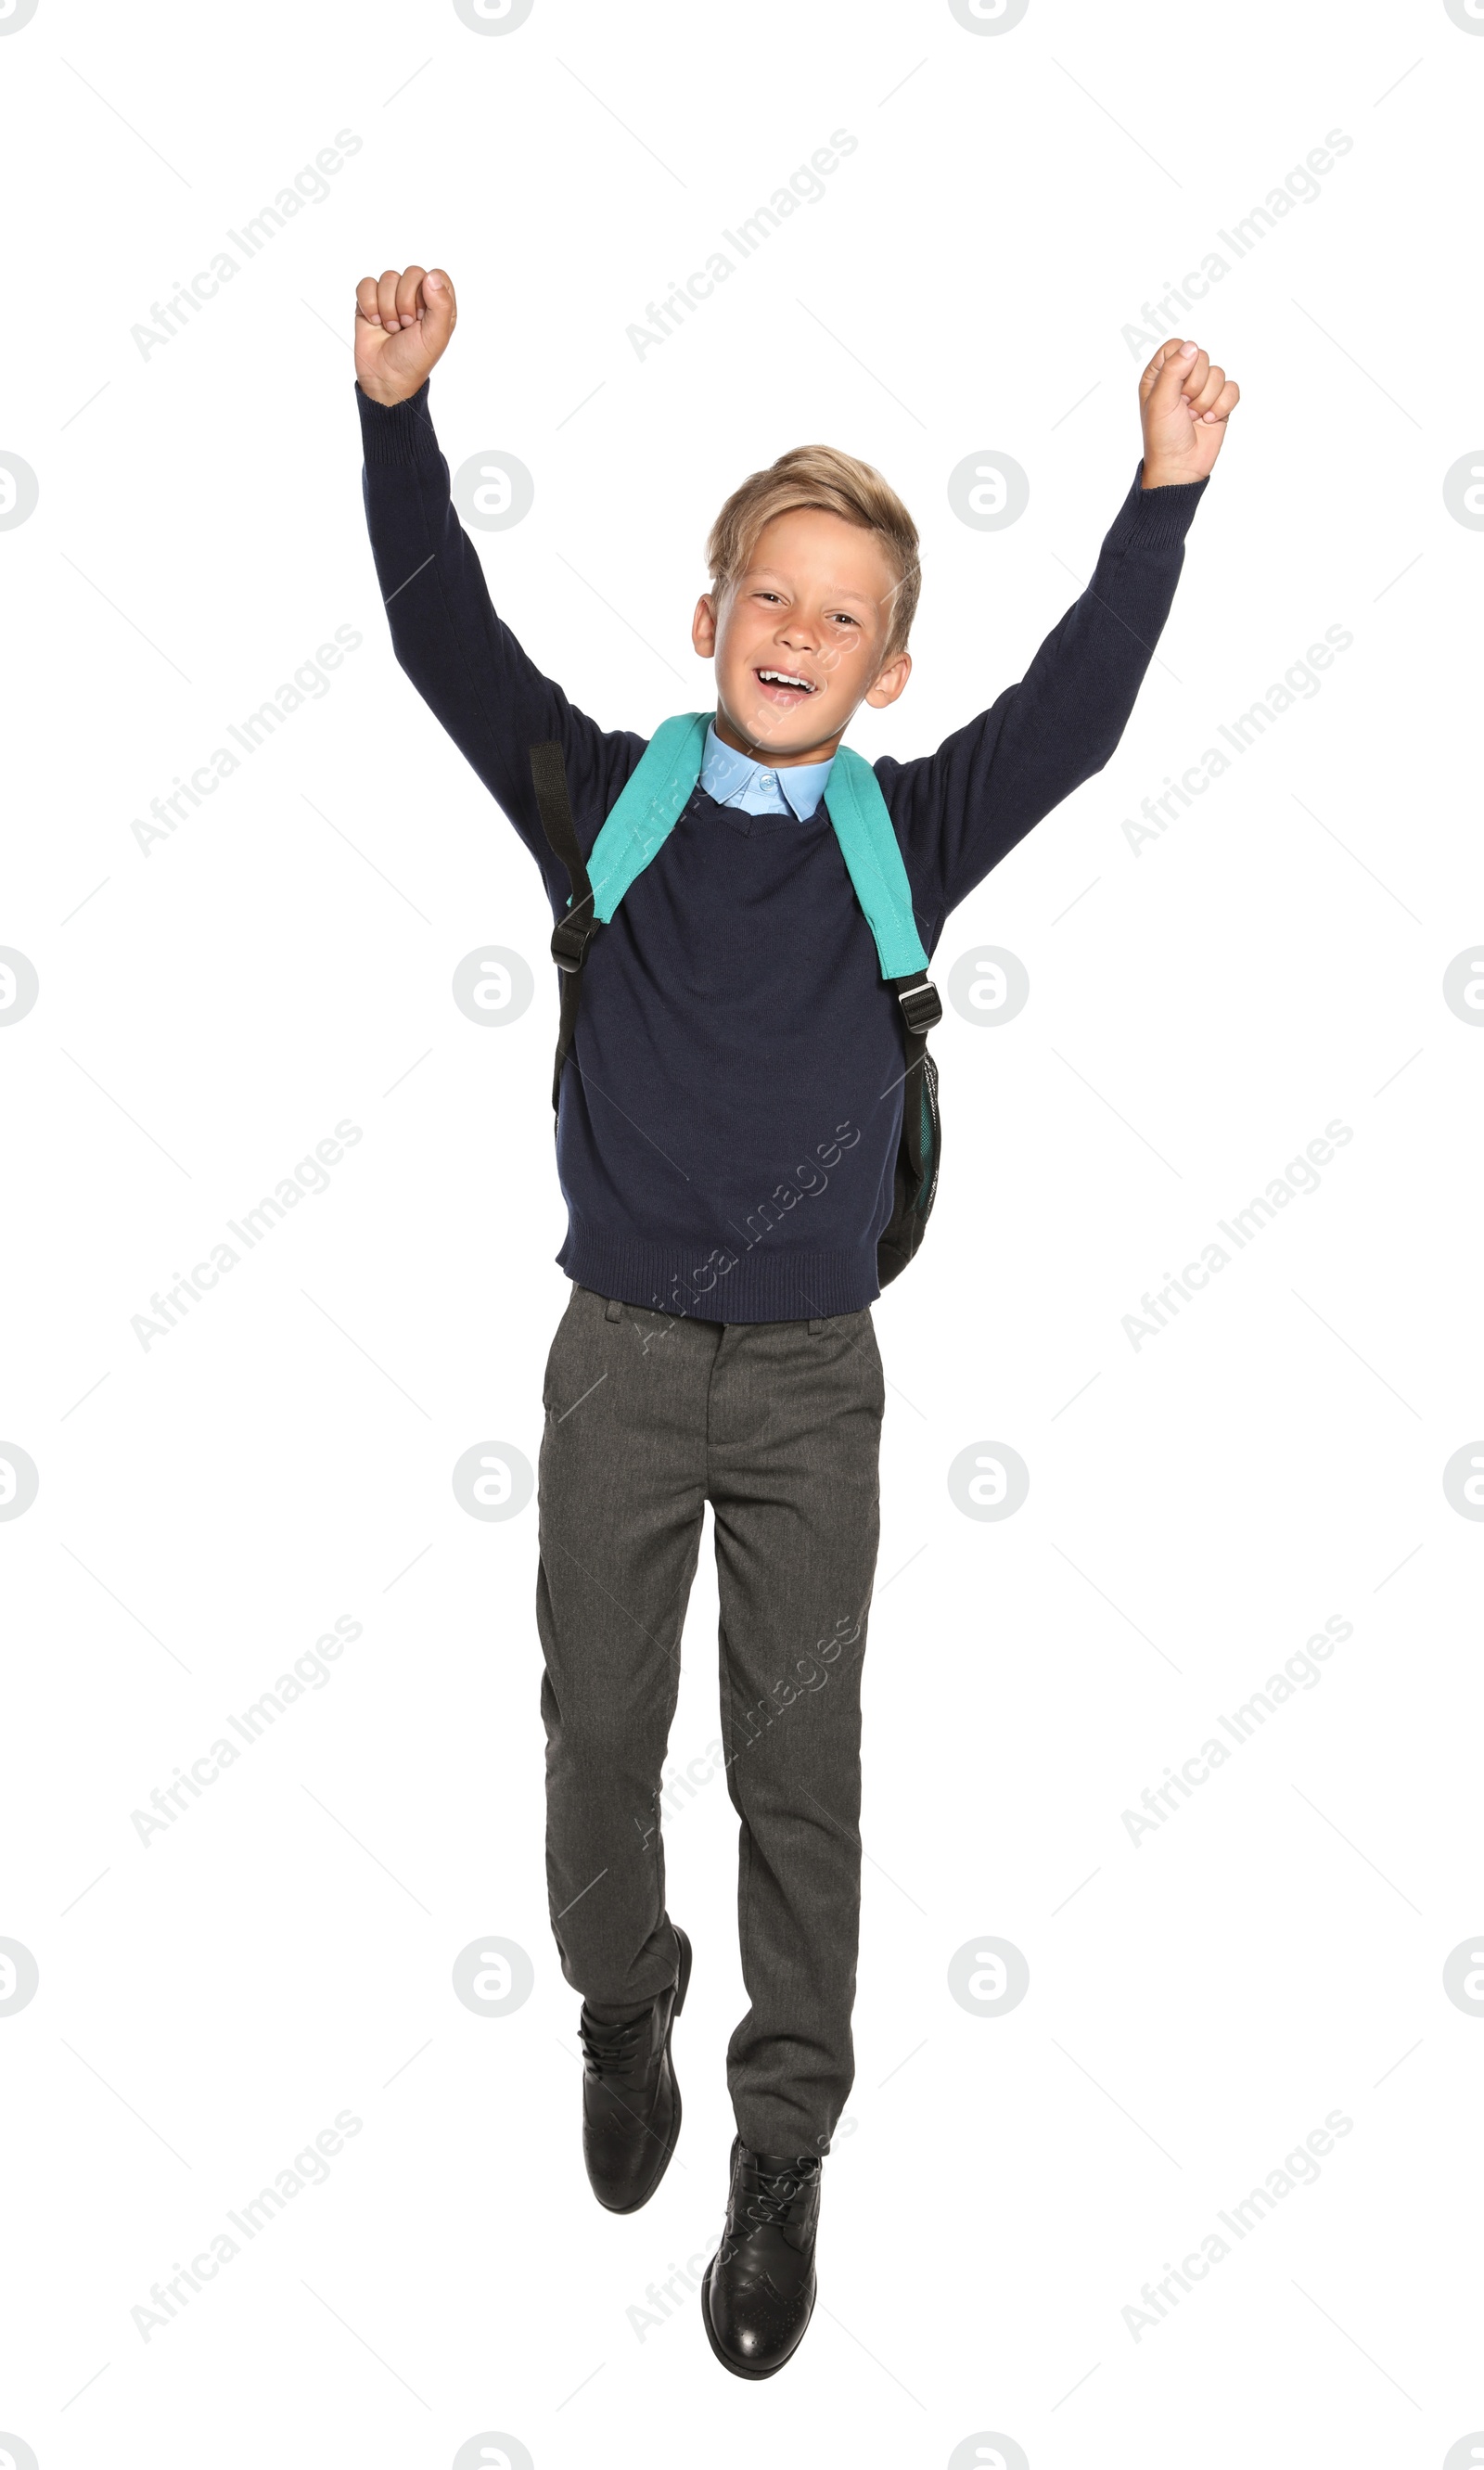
(1155, 518)
(396, 432)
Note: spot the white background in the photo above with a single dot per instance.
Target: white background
(1199, 1506)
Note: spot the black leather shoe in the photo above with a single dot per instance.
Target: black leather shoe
(758, 2292)
(631, 2104)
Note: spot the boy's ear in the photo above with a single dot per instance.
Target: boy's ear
(703, 627)
(891, 682)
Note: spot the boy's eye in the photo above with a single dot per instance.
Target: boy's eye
(838, 618)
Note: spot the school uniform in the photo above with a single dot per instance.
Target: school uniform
(729, 1122)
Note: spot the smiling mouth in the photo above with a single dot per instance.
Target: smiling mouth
(784, 685)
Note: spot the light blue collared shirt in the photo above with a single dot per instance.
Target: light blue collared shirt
(735, 779)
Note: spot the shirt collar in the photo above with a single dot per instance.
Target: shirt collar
(735, 779)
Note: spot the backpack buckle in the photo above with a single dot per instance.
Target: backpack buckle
(570, 939)
(921, 1007)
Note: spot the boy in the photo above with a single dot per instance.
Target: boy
(732, 1110)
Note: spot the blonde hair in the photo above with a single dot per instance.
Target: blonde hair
(839, 484)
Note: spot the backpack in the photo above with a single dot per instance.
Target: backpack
(646, 811)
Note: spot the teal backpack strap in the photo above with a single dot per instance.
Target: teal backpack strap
(649, 806)
(646, 811)
(869, 845)
(873, 861)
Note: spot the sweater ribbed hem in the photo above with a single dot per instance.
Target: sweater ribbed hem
(759, 1286)
(396, 432)
(1155, 518)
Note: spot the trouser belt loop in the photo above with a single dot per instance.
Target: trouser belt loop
(612, 1310)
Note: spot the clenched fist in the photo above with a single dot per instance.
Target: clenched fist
(1185, 404)
(402, 325)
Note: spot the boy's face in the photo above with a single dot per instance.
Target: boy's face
(798, 636)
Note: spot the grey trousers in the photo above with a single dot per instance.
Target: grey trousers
(778, 1423)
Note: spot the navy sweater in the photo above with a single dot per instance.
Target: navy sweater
(729, 1119)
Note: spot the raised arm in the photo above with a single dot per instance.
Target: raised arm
(958, 811)
(465, 663)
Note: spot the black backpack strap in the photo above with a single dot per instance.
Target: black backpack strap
(922, 1007)
(576, 929)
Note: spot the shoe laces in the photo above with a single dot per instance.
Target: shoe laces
(611, 2049)
(766, 2199)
